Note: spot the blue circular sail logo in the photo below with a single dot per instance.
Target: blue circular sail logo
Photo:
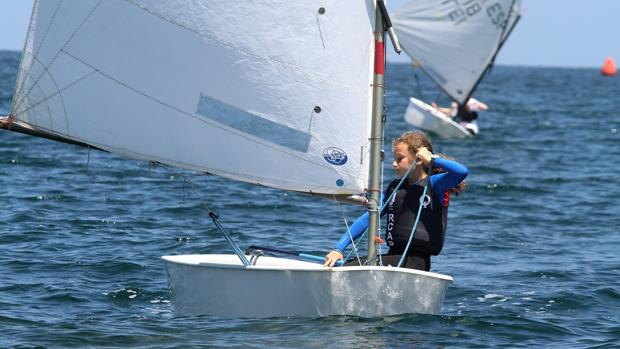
(335, 156)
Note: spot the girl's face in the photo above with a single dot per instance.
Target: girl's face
(402, 159)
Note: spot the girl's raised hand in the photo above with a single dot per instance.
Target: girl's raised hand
(424, 155)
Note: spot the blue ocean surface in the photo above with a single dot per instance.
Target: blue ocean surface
(533, 243)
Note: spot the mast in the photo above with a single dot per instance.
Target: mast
(376, 140)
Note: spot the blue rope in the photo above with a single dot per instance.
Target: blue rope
(219, 226)
(415, 225)
(400, 183)
(232, 243)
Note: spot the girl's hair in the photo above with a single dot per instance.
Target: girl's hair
(416, 140)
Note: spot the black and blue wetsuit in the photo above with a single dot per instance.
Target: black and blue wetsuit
(401, 213)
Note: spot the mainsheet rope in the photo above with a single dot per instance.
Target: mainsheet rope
(417, 220)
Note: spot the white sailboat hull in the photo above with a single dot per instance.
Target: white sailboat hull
(220, 285)
(424, 117)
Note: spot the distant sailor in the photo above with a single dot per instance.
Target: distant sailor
(447, 177)
(464, 115)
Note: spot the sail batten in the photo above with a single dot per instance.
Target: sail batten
(208, 85)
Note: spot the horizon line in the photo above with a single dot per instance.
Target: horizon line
(390, 61)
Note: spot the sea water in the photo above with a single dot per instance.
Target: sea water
(533, 243)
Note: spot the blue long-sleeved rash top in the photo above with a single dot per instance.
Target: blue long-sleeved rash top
(440, 183)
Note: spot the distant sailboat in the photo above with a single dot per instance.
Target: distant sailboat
(454, 44)
(287, 94)
(609, 67)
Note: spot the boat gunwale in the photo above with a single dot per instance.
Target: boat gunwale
(309, 268)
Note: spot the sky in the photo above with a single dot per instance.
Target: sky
(564, 33)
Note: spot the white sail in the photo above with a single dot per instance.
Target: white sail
(271, 92)
(453, 41)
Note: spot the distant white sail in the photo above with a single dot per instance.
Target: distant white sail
(271, 92)
(453, 41)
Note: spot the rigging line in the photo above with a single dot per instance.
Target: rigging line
(419, 88)
(46, 68)
(188, 181)
(318, 24)
(355, 249)
(215, 218)
(437, 97)
(400, 183)
(417, 220)
(384, 122)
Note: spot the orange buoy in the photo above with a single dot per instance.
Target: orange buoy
(609, 67)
